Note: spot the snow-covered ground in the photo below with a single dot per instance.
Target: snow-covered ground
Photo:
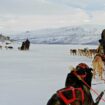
(31, 77)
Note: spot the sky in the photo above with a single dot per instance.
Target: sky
(23, 15)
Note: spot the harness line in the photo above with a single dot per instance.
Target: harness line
(88, 85)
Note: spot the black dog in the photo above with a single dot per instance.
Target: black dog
(75, 91)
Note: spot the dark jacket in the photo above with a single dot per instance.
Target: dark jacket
(102, 40)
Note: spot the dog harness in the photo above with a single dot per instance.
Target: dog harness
(68, 95)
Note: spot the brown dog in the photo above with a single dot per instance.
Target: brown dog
(98, 66)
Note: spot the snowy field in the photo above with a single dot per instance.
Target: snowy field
(31, 77)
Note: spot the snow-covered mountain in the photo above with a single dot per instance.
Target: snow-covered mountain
(4, 38)
(86, 34)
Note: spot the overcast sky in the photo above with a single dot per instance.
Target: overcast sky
(22, 15)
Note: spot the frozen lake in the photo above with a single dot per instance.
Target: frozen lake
(31, 77)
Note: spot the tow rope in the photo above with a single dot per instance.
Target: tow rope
(88, 85)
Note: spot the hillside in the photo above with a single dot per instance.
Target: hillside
(4, 38)
(67, 35)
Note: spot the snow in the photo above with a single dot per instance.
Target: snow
(32, 77)
(83, 34)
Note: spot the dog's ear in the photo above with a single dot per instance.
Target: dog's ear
(89, 70)
(71, 68)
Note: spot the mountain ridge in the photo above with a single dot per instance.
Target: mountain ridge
(64, 35)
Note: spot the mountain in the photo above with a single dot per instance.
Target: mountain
(86, 34)
(4, 38)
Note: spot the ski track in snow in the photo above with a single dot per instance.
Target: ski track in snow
(32, 77)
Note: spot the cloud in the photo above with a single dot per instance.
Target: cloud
(20, 15)
(30, 7)
(98, 17)
(73, 3)
(88, 5)
(21, 6)
(36, 7)
(32, 22)
(24, 7)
